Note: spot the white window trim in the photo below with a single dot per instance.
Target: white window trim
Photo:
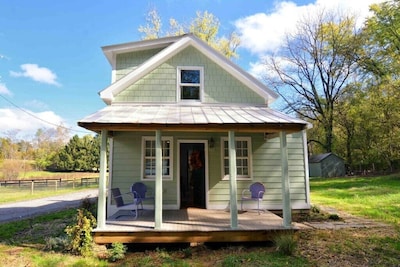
(152, 177)
(178, 83)
(250, 161)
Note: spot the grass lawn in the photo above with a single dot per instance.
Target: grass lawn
(22, 243)
(372, 197)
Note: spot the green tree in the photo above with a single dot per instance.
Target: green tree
(205, 26)
(80, 154)
(313, 69)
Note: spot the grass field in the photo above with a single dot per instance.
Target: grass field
(372, 197)
(22, 243)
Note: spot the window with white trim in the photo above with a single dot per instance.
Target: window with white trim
(190, 83)
(243, 158)
(149, 158)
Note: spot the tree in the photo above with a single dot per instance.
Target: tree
(48, 142)
(205, 26)
(313, 69)
(80, 154)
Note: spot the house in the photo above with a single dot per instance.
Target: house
(197, 130)
(326, 165)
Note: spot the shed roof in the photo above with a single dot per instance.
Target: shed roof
(320, 157)
(183, 117)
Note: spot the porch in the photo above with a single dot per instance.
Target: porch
(191, 225)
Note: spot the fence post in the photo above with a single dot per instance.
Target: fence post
(32, 185)
(73, 183)
(56, 184)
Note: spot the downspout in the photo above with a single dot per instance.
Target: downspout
(232, 179)
(286, 201)
(101, 203)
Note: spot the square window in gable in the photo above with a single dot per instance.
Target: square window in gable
(190, 83)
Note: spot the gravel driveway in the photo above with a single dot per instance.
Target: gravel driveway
(26, 209)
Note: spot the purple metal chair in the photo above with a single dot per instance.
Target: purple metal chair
(254, 193)
(139, 190)
(122, 205)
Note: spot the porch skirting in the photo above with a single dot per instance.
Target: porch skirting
(191, 225)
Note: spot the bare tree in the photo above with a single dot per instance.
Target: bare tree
(314, 67)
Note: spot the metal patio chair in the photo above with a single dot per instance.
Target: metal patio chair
(139, 190)
(254, 193)
(132, 206)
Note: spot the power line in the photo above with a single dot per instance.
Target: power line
(40, 119)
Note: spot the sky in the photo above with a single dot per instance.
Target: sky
(52, 66)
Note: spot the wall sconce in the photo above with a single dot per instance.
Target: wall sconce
(211, 143)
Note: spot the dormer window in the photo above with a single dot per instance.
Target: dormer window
(190, 83)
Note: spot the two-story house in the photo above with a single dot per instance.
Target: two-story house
(197, 130)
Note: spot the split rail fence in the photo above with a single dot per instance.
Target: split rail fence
(49, 183)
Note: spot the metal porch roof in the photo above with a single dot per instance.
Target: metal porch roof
(185, 117)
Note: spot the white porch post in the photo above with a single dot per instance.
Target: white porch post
(232, 179)
(158, 184)
(286, 202)
(101, 203)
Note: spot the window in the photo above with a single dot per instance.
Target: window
(149, 157)
(243, 158)
(190, 83)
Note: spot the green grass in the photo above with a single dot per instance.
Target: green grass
(14, 194)
(372, 197)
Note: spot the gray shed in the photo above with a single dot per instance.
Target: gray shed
(326, 165)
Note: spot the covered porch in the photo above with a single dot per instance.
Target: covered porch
(194, 225)
(191, 225)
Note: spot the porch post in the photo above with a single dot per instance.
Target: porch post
(286, 202)
(101, 203)
(232, 179)
(158, 184)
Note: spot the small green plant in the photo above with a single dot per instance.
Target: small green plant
(187, 253)
(286, 243)
(116, 252)
(57, 244)
(80, 234)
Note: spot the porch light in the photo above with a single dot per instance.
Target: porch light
(211, 143)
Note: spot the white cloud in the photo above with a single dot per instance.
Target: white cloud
(4, 90)
(265, 32)
(36, 73)
(25, 123)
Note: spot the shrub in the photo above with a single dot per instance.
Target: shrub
(286, 243)
(80, 234)
(116, 252)
(57, 244)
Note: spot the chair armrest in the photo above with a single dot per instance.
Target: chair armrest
(260, 194)
(244, 192)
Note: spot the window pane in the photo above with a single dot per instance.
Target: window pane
(190, 76)
(190, 92)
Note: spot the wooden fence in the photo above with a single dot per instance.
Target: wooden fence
(47, 183)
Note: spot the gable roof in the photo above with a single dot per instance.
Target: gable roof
(172, 46)
(321, 157)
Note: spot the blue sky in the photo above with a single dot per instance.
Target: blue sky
(52, 66)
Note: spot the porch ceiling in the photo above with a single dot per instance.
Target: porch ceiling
(191, 118)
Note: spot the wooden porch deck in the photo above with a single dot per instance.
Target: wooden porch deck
(191, 225)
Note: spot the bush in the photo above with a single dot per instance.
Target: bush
(116, 252)
(57, 244)
(80, 234)
(286, 243)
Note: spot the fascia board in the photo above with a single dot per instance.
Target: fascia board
(237, 72)
(111, 51)
(107, 95)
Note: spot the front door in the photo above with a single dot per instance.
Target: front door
(192, 175)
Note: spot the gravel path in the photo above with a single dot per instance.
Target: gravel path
(26, 209)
